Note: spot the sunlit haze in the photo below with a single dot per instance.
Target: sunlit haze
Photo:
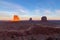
(29, 8)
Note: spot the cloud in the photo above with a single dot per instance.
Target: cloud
(57, 11)
(8, 9)
(37, 11)
(13, 8)
(47, 12)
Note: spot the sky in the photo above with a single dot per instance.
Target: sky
(30, 8)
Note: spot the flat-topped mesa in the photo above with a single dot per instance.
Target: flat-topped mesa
(44, 19)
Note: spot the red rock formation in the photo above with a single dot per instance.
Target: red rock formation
(16, 18)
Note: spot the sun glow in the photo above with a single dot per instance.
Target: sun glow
(16, 18)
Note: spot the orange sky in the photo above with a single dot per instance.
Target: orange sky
(27, 18)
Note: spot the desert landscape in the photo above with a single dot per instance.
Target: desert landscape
(29, 30)
(29, 19)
